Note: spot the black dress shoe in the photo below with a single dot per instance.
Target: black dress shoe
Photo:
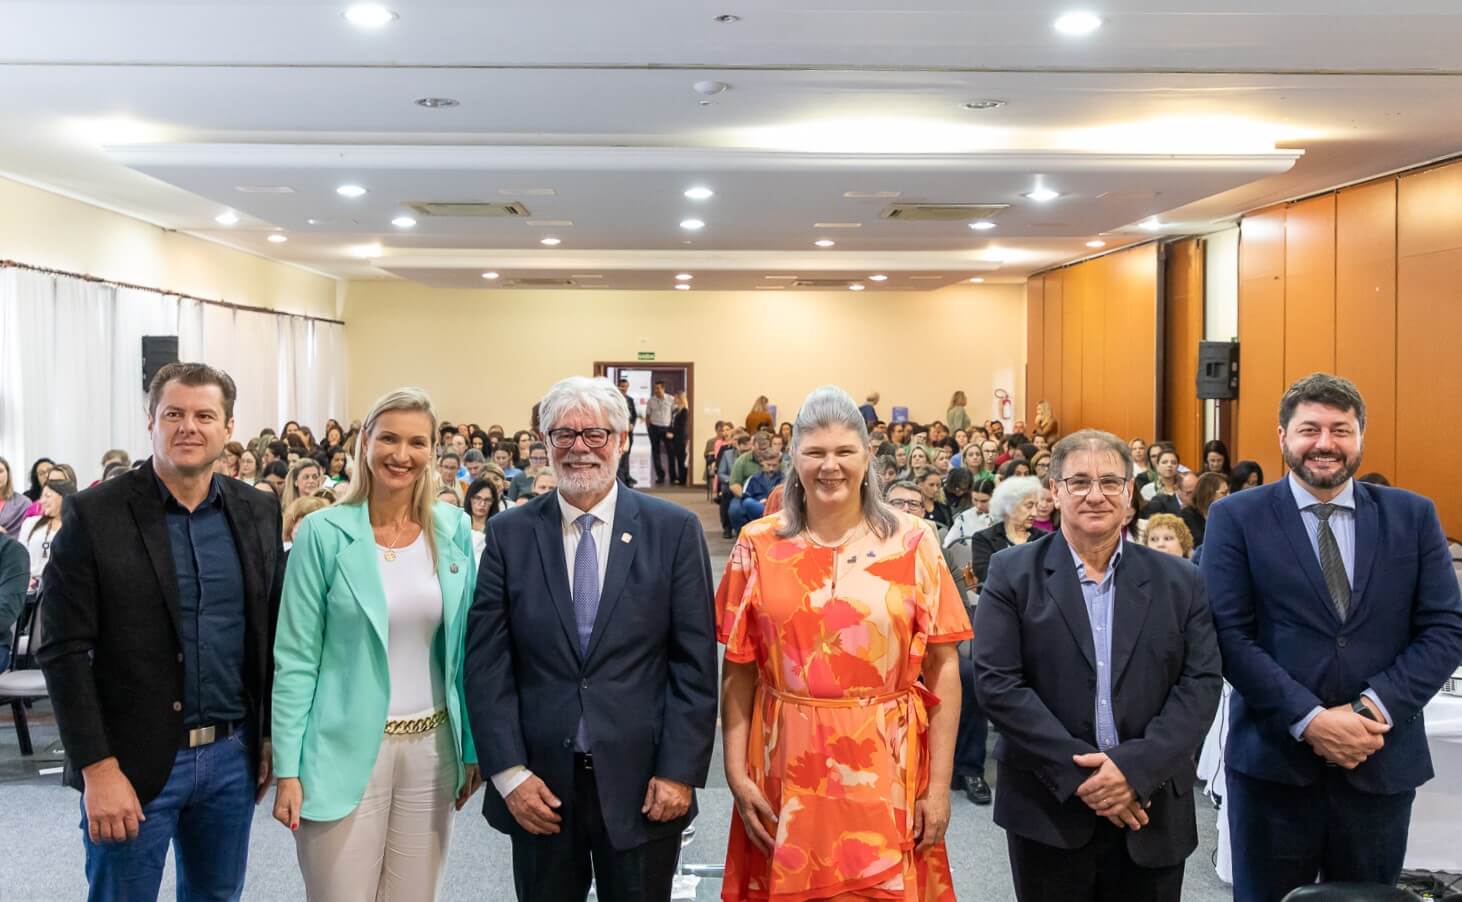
(977, 790)
(727, 534)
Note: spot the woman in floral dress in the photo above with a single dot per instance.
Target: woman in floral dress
(838, 756)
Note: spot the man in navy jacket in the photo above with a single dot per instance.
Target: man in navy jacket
(1339, 617)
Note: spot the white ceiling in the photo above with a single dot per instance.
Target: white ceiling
(162, 110)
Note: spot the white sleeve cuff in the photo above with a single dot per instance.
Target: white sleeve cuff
(505, 781)
(1380, 706)
(1297, 730)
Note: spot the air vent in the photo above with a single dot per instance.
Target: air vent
(539, 283)
(943, 212)
(823, 283)
(469, 210)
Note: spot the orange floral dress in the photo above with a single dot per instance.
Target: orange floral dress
(838, 740)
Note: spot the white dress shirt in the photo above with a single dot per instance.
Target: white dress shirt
(660, 410)
(510, 779)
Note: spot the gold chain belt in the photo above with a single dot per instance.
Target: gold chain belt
(416, 725)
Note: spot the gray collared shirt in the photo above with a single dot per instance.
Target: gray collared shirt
(1101, 599)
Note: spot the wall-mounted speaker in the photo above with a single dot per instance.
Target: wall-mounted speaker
(1218, 370)
(157, 352)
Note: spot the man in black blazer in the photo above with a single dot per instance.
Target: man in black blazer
(591, 668)
(634, 416)
(1097, 662)
(158, 620)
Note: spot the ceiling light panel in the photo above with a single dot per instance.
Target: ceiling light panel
(369, 15)
(699, 192)
(1077, 23)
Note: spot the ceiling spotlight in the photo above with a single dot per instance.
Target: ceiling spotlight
(550, 242)
(436, 103)
(682, 287)
(276, 238)
(350, 191)
(369, 15)
(857, 286)
(228, 218)
(1042, 195)
(1150, 224)
(489, 276)
(710, 88)
(824, 242)
(692, 225)
(983, 225)
(977, 105)
(683, 277)
(366, 251)
(699, 193)
(1096, 242)
(404, 222)
(728, 18)
(878, 278)
(977, 279)
(1077, 24)
(318, 221)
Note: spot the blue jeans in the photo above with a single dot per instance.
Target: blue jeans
(204, 811)
(744, 510)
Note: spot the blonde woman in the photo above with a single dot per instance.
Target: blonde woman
(760, 416)
(371, 744)
(303, 480)
(957, 417)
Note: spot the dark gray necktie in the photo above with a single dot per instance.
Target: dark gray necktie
(1331, 563)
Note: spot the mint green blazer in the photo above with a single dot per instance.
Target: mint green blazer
(332, 683)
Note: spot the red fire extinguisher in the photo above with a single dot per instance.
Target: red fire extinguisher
(1004, 407)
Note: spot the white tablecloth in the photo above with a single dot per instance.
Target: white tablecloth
(1436, 817)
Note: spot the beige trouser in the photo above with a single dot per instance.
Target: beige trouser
(393, 846)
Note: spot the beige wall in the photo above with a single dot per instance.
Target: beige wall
(488, 356)
(47, 230)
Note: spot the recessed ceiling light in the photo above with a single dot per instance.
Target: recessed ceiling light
(276, 238)
(699, 192)
(837, 225)
(550, 242)
(263, 189)
(682, 287)
(366, 251)
(824, 242)
(369, 15)
(692, 225)
(436, 103)
(857, 286)
(983, 225)
(227, 218)
(1078, 23)
(1150, 224)
(404, 222)
(728, 18)
(976, 105)
(977, 280)
(1042, 194)
(489, 276)
(683, 277)
(1096, 243)
(350, 191)
(319, 221)
(878, 278)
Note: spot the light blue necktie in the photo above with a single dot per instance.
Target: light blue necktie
(586, 600)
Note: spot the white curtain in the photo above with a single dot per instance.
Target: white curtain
(71, 366)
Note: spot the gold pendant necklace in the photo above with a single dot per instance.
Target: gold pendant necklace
(391, 546)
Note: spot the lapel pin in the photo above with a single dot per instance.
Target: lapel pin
(454, 568)
(625, 538)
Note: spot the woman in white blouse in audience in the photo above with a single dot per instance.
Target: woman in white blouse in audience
(371, 743)
(39, 532)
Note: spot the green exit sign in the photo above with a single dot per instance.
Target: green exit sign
(646, 355)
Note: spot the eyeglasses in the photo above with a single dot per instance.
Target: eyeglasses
(543, 458)
(910, 505)
(1082, 485)
(594, 437)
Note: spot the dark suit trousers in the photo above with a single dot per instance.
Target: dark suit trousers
(1100, 871)
(974, 728)
(1286, 836)
(558, 868)
(658, 445)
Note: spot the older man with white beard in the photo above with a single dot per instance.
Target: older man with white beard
(591, 667)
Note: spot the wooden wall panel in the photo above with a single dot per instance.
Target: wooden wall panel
(1095, 284)
(1055, 329)
(1428, 334)
(1183, 330)
(1365, 310)
(1035, 346)
(1132, 362)
(1071, 351)
(1309, 288)
(1261, 338)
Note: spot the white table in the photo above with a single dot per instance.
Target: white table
(1436, 816)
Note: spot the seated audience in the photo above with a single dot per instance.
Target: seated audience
(13, 502)
(975, 517)
(1215, 458)
(502, 455)
(1374, 478)
(298, 509)
(39, 471)
(751, 503)
(14, 583)
(934, 510)
(1208, 488)
(275, 474)
(1013, 508)
(450, 496)
(1166, 480)
(1246, 475)
(302, 481)
(481, 502)
(1047, 517)
(1169, 534)
(957, 485)
(40, 531)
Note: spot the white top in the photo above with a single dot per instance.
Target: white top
(505, 781)
(414, 623)
(660, 411)
(38, 543)
(969, 522)
(479, 542)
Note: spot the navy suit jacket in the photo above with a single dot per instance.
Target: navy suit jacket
(646, 688)
(1035, 677)
(1286, 651)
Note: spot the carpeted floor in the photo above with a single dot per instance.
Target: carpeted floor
(39, 823)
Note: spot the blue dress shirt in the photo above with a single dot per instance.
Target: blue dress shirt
(1101, 599)
(210, 608)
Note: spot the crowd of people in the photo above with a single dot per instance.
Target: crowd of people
(381, 621)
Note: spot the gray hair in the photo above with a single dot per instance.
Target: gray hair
(907, 485)
(1093, 440)
(1009, 494)
(1323, 388)
(831, 406)
(597, 395)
